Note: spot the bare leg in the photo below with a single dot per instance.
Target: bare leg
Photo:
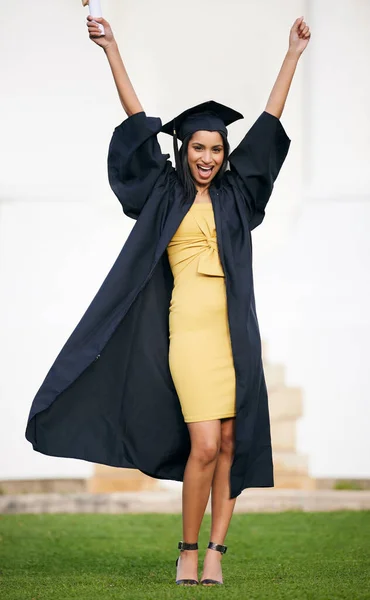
(222, 506)
(205, 445)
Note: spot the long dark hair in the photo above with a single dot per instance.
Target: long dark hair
(183, 169)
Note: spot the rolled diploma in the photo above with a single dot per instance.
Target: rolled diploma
(95, 11)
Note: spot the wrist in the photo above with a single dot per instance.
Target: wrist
(293, 54)
(111, 47)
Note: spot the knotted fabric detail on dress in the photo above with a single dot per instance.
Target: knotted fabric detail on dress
(209, 261)
(196, 239)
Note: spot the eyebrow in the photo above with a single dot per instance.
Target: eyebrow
(200, 144)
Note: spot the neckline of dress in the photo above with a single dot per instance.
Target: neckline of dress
(202, 204)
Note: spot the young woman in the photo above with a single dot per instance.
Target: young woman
(164, 371)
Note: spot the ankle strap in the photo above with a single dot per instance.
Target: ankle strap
(186, 546)
(217, 547)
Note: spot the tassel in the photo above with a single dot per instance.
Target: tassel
(177, 154)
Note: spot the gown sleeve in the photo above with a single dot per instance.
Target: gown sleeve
(256, 161)
(135, 161)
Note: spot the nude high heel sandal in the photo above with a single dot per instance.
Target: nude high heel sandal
(221, 549)
(186, 546)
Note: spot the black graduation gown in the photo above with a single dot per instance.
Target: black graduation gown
(109, 397)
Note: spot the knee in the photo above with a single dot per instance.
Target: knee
(227, 444)
(205, 452)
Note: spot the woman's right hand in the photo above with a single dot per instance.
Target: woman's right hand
(94, 32)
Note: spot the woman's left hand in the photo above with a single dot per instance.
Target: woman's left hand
(299, 36)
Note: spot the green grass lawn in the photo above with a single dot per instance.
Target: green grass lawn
(290, 555)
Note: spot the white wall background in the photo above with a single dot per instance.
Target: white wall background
(61, 226)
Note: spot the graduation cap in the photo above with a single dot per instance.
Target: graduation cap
(208, 116)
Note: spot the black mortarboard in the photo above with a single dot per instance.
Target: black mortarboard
(208, 116)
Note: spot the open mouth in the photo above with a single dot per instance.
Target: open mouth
(204, 172)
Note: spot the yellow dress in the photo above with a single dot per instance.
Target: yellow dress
(200, 354)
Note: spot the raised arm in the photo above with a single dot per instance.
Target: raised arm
(298, 40)
(126, 92)
(135, 160)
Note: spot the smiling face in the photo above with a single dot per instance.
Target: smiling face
(205, 156)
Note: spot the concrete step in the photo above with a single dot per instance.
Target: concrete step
(293, 481)
(283, 435)
(285, 404)
(110, 479)
(289, 462)
(275, 376)
(251, 500)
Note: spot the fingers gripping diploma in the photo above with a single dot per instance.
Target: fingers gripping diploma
(95, 11)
